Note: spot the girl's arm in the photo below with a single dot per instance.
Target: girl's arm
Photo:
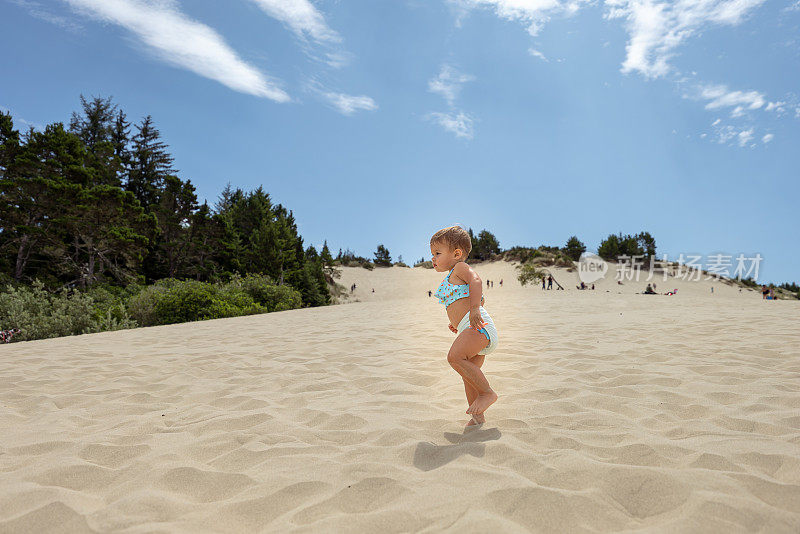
(465, 272)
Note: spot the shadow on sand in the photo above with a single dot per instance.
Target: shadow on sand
(429, 456)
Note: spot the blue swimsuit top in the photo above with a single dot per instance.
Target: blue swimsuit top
(449, 293)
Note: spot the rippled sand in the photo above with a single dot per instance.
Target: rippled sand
(617, 411)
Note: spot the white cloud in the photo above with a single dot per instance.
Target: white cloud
(349, 104)
(459, 123)
(745, 136)
(720, 96)
(767, 138)
(656, 29)
(183, 42)
(725, 134)
(536, 53)
(448, 83)
(36, 10)
(301, 17)
(533, 13)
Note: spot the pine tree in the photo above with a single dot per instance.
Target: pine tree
(574, 248)
(150, 164)
(382, 257)
(95, 127)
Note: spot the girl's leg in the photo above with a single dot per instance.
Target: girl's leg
(467, 345)
(472, 393)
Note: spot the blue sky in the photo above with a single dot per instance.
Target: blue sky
(382, 121)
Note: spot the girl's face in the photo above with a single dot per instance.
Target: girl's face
(443, 258)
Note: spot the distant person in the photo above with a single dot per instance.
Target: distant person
(654, 285)
(649, 290)
(712, 290)
(772, 293)
(492, 283)
(501, 282)
(487, 284)
(430, 292)
(550, 282)
(461, 295)
(593, 287)
(764, 292)
(543, 281)
(373, 290)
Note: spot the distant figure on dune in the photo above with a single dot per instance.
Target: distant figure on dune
(543, 281)
(430, 292)
(712, 290)
(764, 292)
(501, 282)
(550, 282)
(593, 287)
(461, 295)
(649, 290)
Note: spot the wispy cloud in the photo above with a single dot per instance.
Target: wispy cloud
(183, 42)
(448, 83)
(342, 102)
(719, 96)
(349, 104)
(458, 123)
(37, 10)
(308, 24)
(767, 138)
(656, 29)
(301, 17)
(532, 13)
(536, 53)
(728, 134)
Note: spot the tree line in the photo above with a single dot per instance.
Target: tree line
(99, 201)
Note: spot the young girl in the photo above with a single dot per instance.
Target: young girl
(461, 294)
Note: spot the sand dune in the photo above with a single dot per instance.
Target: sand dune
(617, 411)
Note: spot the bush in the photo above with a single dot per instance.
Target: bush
(40, 314)
(172, 301)
(423, 263)
(265, 293)
(530, 273)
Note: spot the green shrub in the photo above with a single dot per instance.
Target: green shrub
(264, 292)
(40, 314)
(426, 264)
(172, 301)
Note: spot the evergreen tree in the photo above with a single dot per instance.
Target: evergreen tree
(382, 257)
(609, 248)
(574, 248)
(150, 164)
(325, 256)
(174, 211)
(95, 127)
(205, 236)
(485, 246)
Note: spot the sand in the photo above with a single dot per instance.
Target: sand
(617, 411)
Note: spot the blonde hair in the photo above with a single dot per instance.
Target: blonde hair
(454, 237)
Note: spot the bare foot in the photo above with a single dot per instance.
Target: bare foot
(479, 418)
(472, 422)
(483, 401)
